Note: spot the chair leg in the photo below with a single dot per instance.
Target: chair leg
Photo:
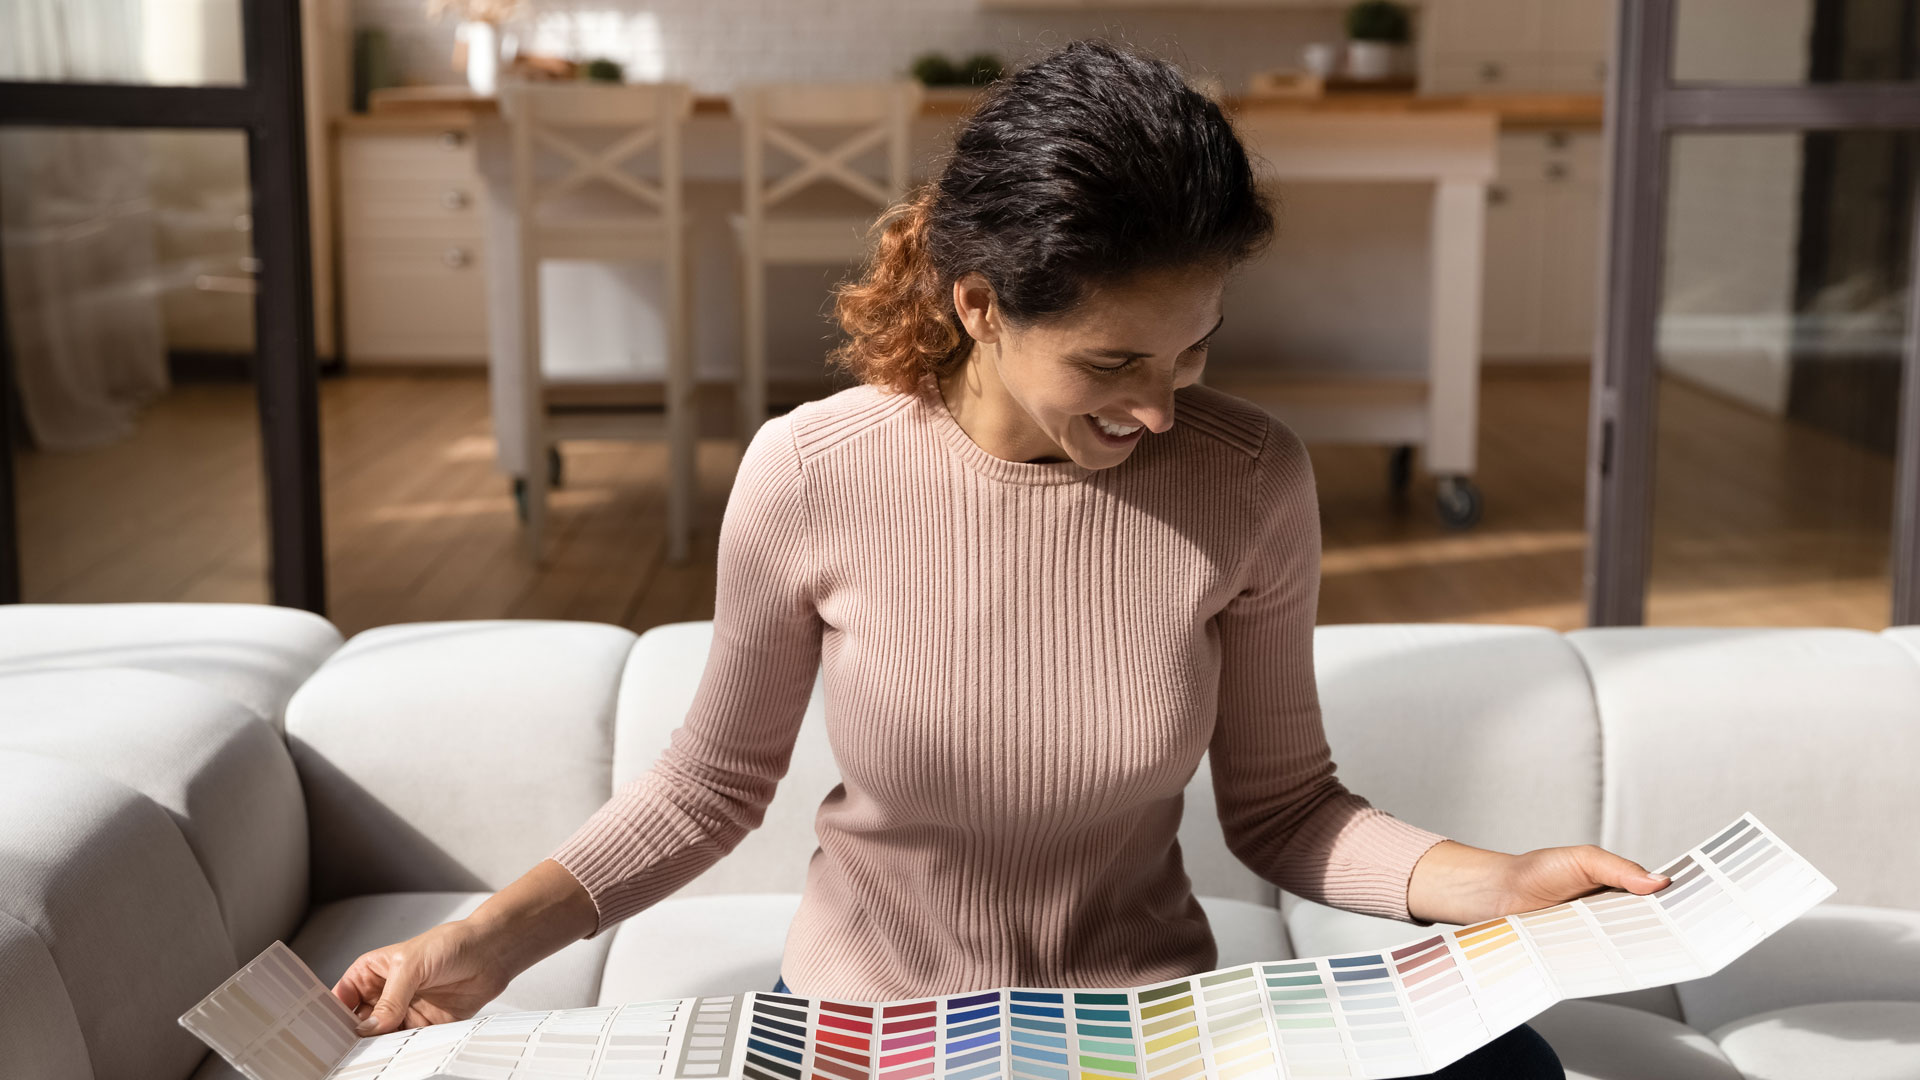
(753, 366)
(534, 480)
(682, 435)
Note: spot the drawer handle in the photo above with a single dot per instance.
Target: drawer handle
(1491, 72)
(1496, 195)
(453, 140)
(454, 199)
(1557, 171)
(456, 257)
(1558, 139)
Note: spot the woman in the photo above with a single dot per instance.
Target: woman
(1041, 571)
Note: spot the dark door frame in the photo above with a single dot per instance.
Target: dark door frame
(269, 108)
(1644, 108)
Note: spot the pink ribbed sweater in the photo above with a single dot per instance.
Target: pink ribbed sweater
(1022, 662)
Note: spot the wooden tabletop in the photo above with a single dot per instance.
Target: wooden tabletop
(428, 105)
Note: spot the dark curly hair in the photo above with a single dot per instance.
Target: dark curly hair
(1086, 167)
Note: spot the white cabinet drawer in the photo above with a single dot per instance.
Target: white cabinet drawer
(423, 207)
(410, 155)
(415, 300)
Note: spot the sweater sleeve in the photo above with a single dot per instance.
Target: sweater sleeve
(712, 783)
(1284, 812)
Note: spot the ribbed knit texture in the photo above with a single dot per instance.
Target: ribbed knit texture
(1023, 663)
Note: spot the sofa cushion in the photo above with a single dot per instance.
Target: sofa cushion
(1835, 952)
(1599, 1041)
(217, 769)
(102, 876)
(38, 1028)
(1814, 731)
(1858, 1040)
(1248, 933)
(454, 756)
(1486, 734)
(256, 654)
(340, 932)
(688, 946)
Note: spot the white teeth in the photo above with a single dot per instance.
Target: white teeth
(1113, 429)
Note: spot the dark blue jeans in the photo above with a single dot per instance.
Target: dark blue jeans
(1520, 1054)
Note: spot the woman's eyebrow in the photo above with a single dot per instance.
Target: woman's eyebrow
(1123, 354)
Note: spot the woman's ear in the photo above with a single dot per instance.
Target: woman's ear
(973, 302)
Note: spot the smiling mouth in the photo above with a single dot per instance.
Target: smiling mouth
(1106, 434)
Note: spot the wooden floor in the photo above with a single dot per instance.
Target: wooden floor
(1756, 522)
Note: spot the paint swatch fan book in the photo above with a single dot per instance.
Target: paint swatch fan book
(1383, 1013)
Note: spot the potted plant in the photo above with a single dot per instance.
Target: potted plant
(1376, 32)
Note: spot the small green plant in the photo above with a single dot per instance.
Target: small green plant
(935, 69)
(601, 69)
(981, 69)
(1379, 20)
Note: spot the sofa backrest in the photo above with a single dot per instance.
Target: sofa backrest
(456, 755)
(1817, 731)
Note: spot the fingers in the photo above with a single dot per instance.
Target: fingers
(357, 986)
(390, 1012)
(1606, 868)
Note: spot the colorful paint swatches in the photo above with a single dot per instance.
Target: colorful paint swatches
(1409, 1009)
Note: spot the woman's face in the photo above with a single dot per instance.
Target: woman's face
(1037, 389)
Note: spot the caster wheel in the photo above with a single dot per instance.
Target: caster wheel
(1400, 470)
(556, 470)
(520, 498)
(1459, 502)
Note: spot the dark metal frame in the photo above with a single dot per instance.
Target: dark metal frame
(1644, 107)
(269, 108)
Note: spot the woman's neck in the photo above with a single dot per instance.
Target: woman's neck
(987, 412)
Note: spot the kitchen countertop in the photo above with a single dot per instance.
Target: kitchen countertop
(414, 107)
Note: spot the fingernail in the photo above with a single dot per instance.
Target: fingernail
(1656, 877)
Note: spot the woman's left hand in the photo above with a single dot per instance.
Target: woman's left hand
(1457, 883)
(1546, 876)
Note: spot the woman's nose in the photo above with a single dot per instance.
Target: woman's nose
(1157, 413)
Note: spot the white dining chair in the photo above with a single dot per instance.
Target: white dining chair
(793, 120)
(584, 189)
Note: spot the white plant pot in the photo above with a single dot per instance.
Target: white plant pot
(483, 56)
(1371, 59)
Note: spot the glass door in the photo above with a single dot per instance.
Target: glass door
(158, 391)
(1752, 433)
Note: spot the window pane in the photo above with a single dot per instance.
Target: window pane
(128, 278)
(1791, 42)
(1779, 378)
(149, 42)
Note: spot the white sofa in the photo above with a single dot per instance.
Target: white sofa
(181, 784)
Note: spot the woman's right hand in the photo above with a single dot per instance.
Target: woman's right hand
(440, 975)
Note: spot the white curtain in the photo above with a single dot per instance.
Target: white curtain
(77, 233)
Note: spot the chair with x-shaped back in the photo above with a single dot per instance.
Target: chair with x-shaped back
(615, 196)
(773, 229)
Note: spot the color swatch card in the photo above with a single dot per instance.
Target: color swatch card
(1391, 1012)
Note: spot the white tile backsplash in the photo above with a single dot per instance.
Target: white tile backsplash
(714, 44)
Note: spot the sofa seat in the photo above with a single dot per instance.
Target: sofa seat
(1834, 953)
(338, 933)
(1858, 1040)
(1598, 1040)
